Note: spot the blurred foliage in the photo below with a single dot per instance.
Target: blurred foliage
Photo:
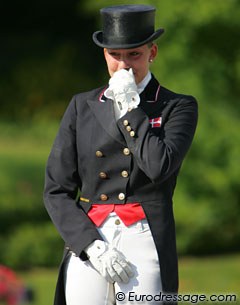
(27, 236)
(47, 55)
(33, 245)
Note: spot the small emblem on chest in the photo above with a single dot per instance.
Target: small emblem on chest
(156, 122)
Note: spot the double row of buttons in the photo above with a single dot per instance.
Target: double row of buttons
(129, 128)
(103, 175)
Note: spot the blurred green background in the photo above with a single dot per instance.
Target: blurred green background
(47, 55)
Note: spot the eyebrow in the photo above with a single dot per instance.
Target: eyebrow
(113, 52)
(119, 50)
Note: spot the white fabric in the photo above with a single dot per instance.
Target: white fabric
(142, 85)
(96, 248)
(109, 262)
(123, 91)
(84, 285)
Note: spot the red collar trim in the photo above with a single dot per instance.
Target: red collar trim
(157, 93)
(100, 98)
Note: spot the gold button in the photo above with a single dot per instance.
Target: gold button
(121, 196)
(99, 154)
(104, 197)
(126, 151)
(102, 175)
(125, 122)
(128, 128)
(124, 174)
(132, 133)
(117, 222)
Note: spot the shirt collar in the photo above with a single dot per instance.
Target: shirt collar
(142, 85)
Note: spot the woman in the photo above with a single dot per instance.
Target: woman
(121, 146)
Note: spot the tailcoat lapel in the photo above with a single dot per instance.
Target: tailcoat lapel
(104, 113)
(152, 101)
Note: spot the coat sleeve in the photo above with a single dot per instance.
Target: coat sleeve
(159, 155)
(62, 184)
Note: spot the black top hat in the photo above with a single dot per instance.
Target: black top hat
(126, 26)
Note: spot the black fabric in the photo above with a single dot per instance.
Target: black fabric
(126, 26)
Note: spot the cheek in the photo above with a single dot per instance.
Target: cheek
(141, 71)
(112, 66)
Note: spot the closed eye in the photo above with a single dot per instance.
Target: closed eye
(114, 54)
(134, 53)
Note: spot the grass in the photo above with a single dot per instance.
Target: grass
(42, 281)
(210, 275)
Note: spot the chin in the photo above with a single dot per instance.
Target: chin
(137, 80)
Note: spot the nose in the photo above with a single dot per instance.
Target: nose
(124, 64)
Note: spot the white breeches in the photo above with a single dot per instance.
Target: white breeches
(85, 286)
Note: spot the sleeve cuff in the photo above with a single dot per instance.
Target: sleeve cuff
(96, 249)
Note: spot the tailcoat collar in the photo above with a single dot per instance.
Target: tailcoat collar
(104, 111)
(151, 98)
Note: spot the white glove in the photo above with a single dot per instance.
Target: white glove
(123, 90)
(109, 262)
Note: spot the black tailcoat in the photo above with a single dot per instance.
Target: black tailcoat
(153, 158)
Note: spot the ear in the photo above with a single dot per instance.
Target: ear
(153, 51)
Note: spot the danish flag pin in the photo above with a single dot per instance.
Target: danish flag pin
(156, 122)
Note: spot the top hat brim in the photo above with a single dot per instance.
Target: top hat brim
(98, 39)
